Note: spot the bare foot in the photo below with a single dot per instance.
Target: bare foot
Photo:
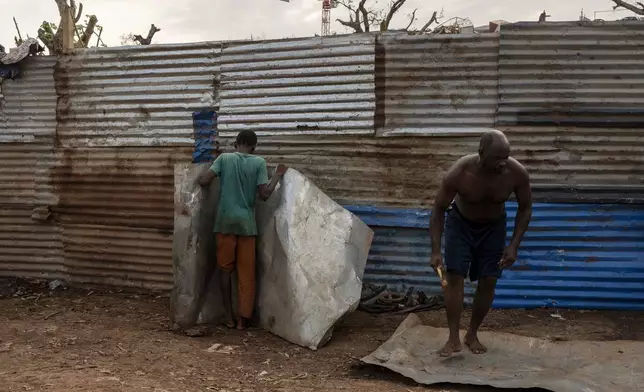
(229, 323)
(451, 347)
(242, 324)
(472, 342)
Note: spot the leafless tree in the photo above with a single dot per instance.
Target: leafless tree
(148, 39)
(637, 7)
(52, 35)
(364, 17)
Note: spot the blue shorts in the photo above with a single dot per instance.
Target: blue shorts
(473, 248)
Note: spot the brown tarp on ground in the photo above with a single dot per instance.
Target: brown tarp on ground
(514, 361)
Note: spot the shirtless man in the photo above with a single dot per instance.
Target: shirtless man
(473, 194)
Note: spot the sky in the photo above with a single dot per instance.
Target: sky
(218, 20)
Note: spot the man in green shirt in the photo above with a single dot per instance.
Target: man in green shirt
(242, 178)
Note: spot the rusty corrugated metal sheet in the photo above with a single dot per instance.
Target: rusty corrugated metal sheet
(115, 207)
(30, 248)
(31, 244)
(29, 108)
(406, 171)
(121, 186)
(118, 255)
(124, 120)
(316, 86)
(365, 170)
(571, 74)
(135, 96)
(436, 84)
(574, 92)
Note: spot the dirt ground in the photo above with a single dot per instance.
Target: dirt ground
(97, 340)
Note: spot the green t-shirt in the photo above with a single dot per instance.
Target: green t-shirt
(239, 175)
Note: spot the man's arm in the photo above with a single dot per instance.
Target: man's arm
(523, 192)
(206, 177)
(444, 197)
(266, 190)
(209, 174)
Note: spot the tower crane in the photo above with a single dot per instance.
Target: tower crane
(326, 15)
(327, 5)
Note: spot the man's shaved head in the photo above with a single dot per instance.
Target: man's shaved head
(493, 139)
(494, 150)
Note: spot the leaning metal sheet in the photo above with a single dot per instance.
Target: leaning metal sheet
(514, 361)
(312, 254)
(195, 297)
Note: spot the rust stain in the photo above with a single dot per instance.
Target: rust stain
(592, 259)
(63, 104)
(125, 186)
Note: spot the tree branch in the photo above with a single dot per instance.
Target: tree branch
(431, 21)
(80, 12)
(354, 21)
(62, 5)
(148, 40)
(357, 28)
(412, 18)
(365, 15)
(629, 6)
(88, 32)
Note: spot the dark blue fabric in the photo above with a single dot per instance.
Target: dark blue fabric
(473, 248)
(11, 71)
(204, 124)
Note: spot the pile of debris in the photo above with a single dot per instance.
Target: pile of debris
(378, 299)
(10, 62)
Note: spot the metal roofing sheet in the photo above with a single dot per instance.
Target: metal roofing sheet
(437, 84)
(135, 96)
(118, 255)
(30, 248)
(121, 186)
(572, 74)
(321, 85)
(29, 106)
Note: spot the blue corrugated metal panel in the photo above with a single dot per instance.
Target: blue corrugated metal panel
(573, 256)
(204, 124)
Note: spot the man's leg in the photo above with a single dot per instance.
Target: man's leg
(246, 279)
(485, 269)
(458, 257)
(482, 304)
(453, 305)
(226, 244)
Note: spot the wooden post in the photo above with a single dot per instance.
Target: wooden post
(69, 28)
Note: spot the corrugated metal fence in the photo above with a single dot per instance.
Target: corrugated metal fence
(438, 84)
(30, 245)
(573, 255)
(374, 120)
(578, 90)
(314, 86)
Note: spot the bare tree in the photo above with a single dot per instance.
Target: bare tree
(148, 39)
(52, 35)
(637, 7)
(364, 17)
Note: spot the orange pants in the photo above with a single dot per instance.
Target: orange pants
(233, 249)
